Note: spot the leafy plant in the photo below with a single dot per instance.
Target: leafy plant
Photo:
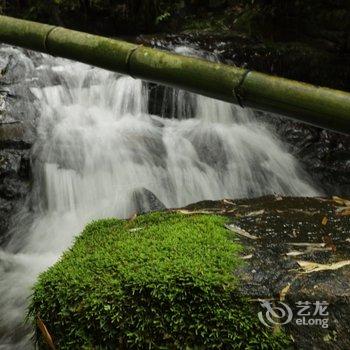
(164, 16)
(161, 281)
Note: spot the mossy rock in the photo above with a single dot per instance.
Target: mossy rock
(161, 281)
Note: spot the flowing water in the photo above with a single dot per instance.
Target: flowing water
(97, 144)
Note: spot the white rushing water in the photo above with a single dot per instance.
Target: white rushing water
(97, 144)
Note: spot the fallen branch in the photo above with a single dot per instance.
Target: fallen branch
(45, 333)
(309, 266)
(240, 231)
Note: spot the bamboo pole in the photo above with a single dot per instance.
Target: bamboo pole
(310, 104)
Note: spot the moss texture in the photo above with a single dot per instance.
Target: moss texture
(161, 281)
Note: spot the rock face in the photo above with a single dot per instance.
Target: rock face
(16, 135)
(14, 178)
(325, 154)
(294, 250)
(146, 201)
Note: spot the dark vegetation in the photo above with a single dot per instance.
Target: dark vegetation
(161, 281)
(277, 19)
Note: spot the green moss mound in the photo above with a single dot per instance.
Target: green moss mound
(161, 281)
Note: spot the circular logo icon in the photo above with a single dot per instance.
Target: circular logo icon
(276, 313)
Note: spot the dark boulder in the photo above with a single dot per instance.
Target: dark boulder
(297, 250)
(146, 201)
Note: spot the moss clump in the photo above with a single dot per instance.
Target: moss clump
(163, 280)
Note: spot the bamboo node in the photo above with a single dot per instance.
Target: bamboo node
(237, 89)
(47, 37)
(128, 59)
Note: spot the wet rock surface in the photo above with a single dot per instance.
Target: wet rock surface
(146, 201)
(324, 154)
(294, 249)
(16, 137)
(14, 181)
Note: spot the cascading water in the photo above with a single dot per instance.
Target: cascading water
(97, 144)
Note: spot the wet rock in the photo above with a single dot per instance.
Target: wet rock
(15, 175)
(14, 162)
(16, 134)
(9, 162)
(6, 209)
(146, 201)
(324, 154)
(290, 230)
(12, 188)
(12, 134)
(18, 111)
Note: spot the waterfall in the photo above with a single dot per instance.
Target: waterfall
(97, 144)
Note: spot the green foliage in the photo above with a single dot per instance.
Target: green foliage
(161, 281)
(213, 24)
(161, 18)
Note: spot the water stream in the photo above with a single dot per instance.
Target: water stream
(97, 144)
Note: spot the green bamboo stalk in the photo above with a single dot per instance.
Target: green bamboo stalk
(310, 104)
